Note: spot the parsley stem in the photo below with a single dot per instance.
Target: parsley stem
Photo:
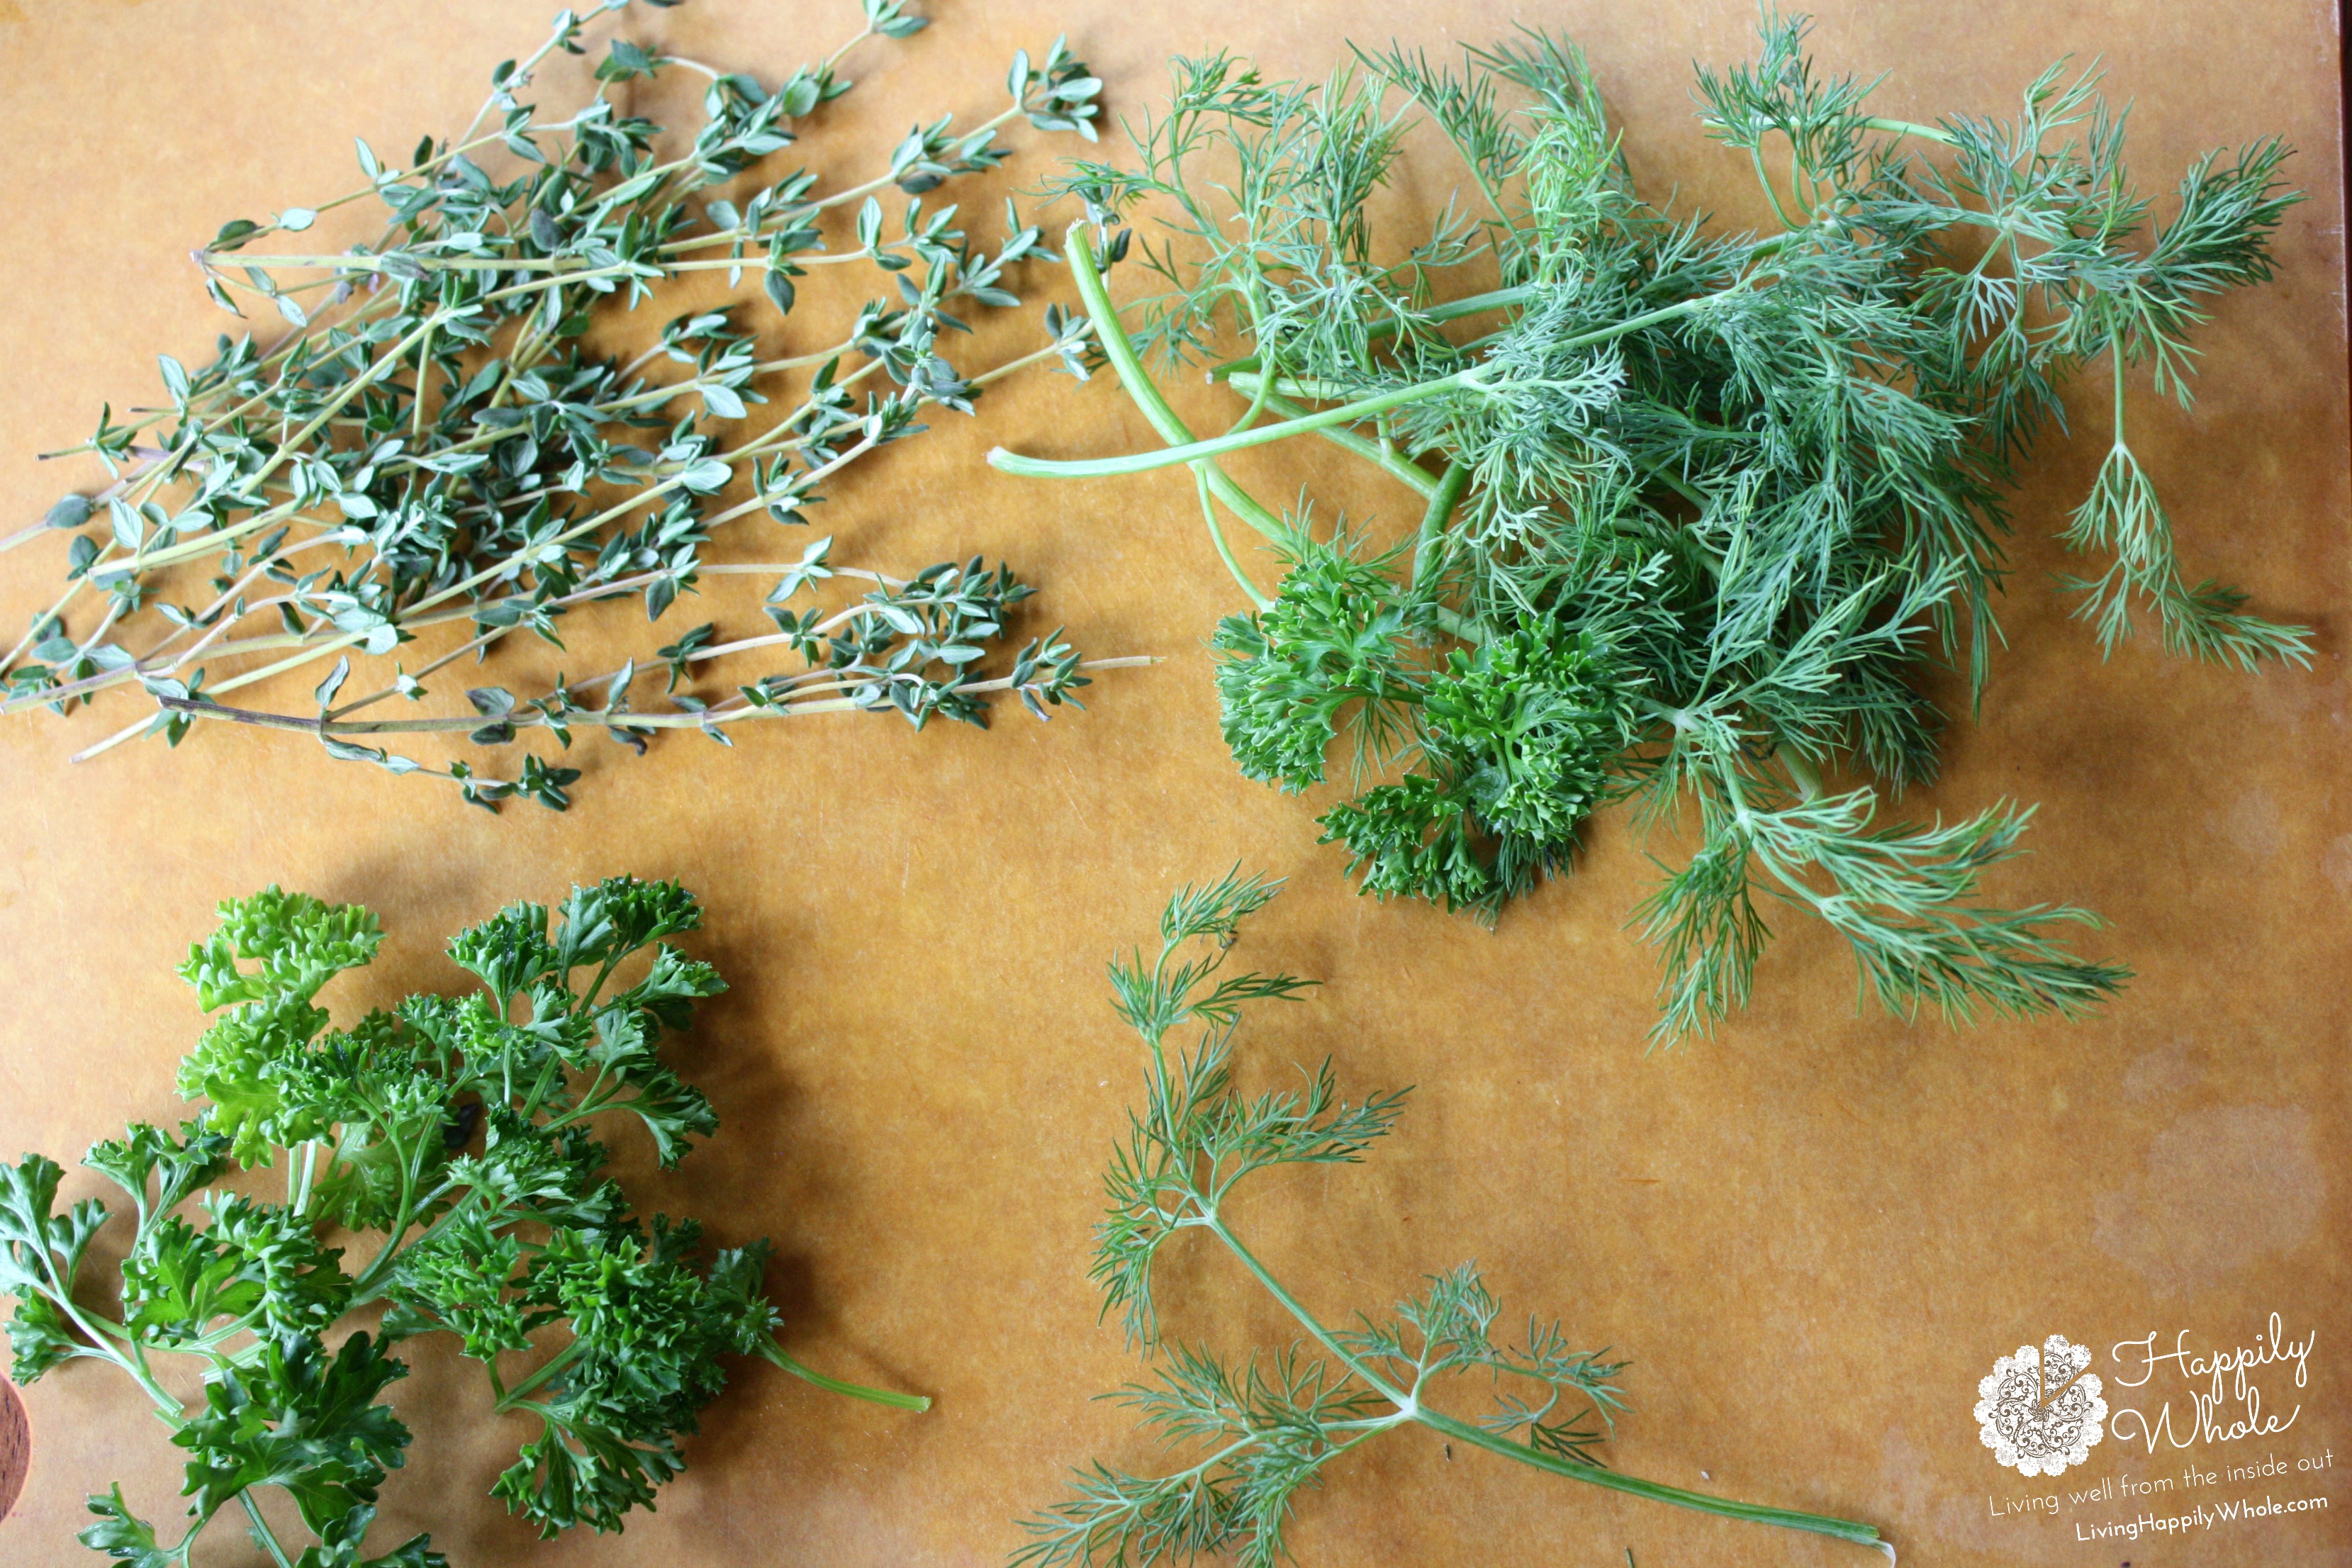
(262, 1533)
(771, 1351)
(539, 1376)
(299, 1176)
(376, 1276)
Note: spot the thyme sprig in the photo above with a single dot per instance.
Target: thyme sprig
(1701, 508)
(1268, 1428)
(435, 445)
(457, 1133)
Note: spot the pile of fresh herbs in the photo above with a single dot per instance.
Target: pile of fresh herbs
(1702, 509)
(1259, 1433)
(453, 1137)
(440, 440)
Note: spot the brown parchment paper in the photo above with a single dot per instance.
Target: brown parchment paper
(1812, 1235)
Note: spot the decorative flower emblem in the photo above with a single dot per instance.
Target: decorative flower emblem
(2040, 1411)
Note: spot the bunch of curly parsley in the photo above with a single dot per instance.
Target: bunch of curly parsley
(452, 1136)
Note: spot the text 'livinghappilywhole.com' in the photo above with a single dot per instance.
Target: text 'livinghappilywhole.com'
(2205, 1516)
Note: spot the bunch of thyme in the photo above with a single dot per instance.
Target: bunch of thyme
(1700, 508)
(1264, 1431)
(456, 1131)
(435, 444)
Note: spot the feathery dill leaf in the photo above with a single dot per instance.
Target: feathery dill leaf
(1259, 1431)
(1758, 483)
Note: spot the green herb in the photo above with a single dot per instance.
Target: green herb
(435, 445)
(1701, 509)
(1267, 1428)
(456, 1133)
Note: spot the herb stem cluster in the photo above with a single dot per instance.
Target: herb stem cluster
(1699, 511)
(437, 419)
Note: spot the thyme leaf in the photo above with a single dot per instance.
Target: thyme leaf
(439, 446)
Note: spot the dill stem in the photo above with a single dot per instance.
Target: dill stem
(1911, 128)
(1808, 779)
(1223, 546)
(1240, 440)
(1447, 311)
(2116, 354)
(1402, 470)
(1470, 379)
(1321, 1335)
(1463, 1431)
(1756, 156)
(1847, 1530)
(1451, 487)
(1119, 349)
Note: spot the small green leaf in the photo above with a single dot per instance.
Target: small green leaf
(128, 526)
(706, 476)
(800, 96)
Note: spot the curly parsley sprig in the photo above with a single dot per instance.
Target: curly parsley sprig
(1259, 1433)
(450, 1141)
(436, 448)
(1701, 508)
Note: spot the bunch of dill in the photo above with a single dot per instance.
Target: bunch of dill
(1702, 508)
